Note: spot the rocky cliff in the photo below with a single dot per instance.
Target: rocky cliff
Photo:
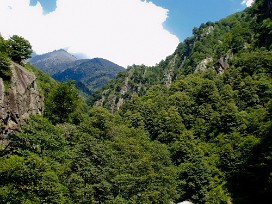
(19, 99)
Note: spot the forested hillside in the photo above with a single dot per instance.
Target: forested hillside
(93, 73)
(214, 46)
(195, 127)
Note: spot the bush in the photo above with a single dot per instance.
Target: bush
(5, 72)
(18, 49)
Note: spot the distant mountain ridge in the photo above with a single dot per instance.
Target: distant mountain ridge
(94, 73)
(89, 74)
(49, 61)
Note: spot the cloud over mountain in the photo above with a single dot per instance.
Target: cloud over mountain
(248, 2)
(123, 31)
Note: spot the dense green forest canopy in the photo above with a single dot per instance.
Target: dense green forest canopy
(204, 137)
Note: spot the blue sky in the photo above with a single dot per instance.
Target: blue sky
(183, 15)
(48, 5)
(123, 31)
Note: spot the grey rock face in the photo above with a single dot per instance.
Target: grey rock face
(203, 65)
(20, 100)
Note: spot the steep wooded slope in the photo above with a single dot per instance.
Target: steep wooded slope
(204, 137)
(213, 46)
(93, 73)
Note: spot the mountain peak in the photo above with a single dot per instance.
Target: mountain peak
(61, 53)
(62, 66)
(47, 61)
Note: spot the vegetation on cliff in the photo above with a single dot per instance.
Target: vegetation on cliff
(213, 46)
(15, 49)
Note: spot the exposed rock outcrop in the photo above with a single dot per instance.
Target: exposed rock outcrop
(19, 100)
(221, 64)
(203, 65)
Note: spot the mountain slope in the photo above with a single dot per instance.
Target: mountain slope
(211, 104)
(89, 74)
(93, 73)
(51, 62)
(213, 46)
(200, 130)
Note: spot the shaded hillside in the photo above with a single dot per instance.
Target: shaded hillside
(93, 73)
(51, 62)
(89, 74)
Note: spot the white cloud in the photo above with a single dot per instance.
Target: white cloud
(247, 2)
(123, 31)
(185, 202)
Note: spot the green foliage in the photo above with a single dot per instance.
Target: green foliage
(62, 102)
(44, 81)
(2, 44)
(15, 49)
(100, 161)
(31, 169)
(45, 142)
(204, 137)
(261, 10)
(150, 177)
(30, 179)
(212, 124)
(168, 125)
(5, 62)
(258, 61)
(5, 72)
(212, 46)
(18, 49)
